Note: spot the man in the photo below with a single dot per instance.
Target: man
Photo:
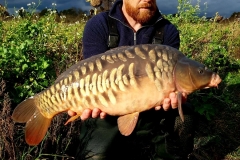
(136, 22)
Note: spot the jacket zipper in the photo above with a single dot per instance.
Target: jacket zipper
(135, 38)
(135, 33)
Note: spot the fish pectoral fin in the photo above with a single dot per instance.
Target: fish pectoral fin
(180, 111)
(73, 118)
(127, 123)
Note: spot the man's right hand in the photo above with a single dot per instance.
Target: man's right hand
(171, 102)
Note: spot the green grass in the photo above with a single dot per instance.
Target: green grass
(34, 51)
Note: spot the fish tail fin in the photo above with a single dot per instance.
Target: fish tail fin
(36, 124)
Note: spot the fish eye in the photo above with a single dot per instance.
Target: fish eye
(200, 70)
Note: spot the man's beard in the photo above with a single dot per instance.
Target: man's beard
(141, 16)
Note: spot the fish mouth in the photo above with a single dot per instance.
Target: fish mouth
(215, 80)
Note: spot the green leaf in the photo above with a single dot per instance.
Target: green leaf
(42, 76)
(4, 50)
(45, 64)
(22, 46)
(24, 67)
(29, 42)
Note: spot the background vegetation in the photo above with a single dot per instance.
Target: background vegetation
(36, 47)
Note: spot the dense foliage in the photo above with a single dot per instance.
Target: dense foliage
(33, 51)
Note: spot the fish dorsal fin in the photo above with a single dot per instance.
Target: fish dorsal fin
(180, 111)
(127, 123)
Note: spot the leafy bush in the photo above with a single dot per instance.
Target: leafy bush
(34, 51)
(214, 44)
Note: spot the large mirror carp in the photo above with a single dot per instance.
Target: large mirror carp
(121, 82)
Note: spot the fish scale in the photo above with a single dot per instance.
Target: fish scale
(115, 86)
(120, 82)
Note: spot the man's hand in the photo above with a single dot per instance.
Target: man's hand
(171, 102)
(87, 113)
(168, 103)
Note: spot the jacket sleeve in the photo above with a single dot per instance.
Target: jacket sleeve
(171, 36)
(95, 36)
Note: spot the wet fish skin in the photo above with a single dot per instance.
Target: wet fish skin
(121, 82)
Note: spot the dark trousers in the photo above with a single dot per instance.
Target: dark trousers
(158, 134)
